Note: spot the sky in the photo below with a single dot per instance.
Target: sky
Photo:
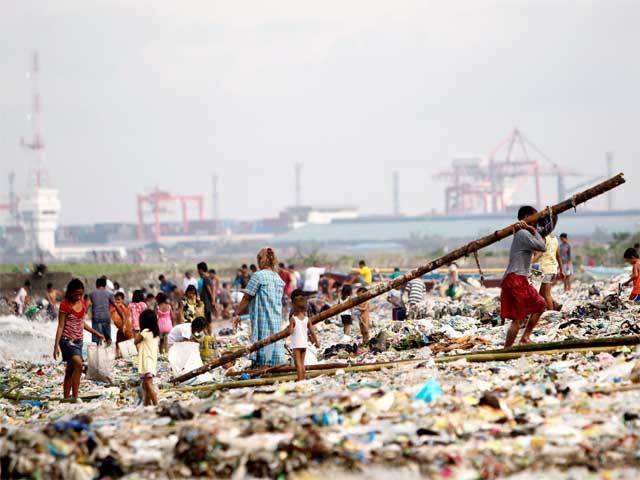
(146, 93)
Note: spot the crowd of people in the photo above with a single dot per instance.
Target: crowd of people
(267, 294)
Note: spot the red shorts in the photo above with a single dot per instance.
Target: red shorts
(518, 298)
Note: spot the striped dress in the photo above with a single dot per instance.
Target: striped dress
(265, 311)
(416, 291)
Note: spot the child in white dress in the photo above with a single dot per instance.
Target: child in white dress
(300, 330)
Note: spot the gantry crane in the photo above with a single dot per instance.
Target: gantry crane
(155, 201)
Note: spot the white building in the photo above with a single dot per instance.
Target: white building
(300, 216)
(39, 211)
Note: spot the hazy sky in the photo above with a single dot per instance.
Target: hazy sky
(164, 92)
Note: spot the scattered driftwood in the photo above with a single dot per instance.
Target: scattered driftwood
(463, 343)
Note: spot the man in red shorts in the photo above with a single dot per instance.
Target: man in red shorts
(518, 299)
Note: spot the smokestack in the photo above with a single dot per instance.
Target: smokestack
(298, 180)
(396, 194)
(13, 199)
(214, 198)
(609, 156)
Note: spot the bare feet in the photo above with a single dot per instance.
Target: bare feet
(524, 340)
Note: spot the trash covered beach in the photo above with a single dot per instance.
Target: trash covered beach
(394, 406)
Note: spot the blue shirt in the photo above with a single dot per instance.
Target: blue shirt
(166, 287)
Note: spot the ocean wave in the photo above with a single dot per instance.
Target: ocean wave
(25, 340)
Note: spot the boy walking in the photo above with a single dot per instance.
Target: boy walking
(101, 299)
(518, 298)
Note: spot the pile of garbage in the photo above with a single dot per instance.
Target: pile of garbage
(562, 413)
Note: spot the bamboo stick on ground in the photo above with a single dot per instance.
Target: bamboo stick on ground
(620, 341)
(286, 369)
(501, 357)
(384, 287)
(258, 382)
(621, 388)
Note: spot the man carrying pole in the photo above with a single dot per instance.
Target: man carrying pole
(518, 298)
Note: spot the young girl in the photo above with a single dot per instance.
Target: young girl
(363, 310)
(300, 330)
(347, 319)
(163, 311)
(69, 335)
(147, 342)
(136, 307)
(192, 306)
(124, 326)
(551, 266)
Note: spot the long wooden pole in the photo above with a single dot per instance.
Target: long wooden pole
(502, 357)
(618, 341)
(257, 382)
(287, 369)
(418, 272)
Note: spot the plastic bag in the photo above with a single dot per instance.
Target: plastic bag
(430, 391)
(311, 356)
(184, 357)
(128, 348)
(100, 360)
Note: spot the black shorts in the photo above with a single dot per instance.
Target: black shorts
(346, 320)
(101, 327)
(70, 348)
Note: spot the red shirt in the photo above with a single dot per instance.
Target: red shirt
(286, 278)
(74, 323)
(636, 283)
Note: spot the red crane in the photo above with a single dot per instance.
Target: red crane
(481, 181)
(155, 200)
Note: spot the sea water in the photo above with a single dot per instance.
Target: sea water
(29, 340)
(26, 340)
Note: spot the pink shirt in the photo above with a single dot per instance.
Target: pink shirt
(136, 309)
(164, 320)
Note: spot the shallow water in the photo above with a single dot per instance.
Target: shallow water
(29, 340)
(26, 340)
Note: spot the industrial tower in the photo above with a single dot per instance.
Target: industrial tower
(298, 186)
(41, 207)
(396, 194)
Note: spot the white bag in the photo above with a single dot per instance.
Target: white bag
(100, 360)
(184, 357)
(311, 355)
(128, 349)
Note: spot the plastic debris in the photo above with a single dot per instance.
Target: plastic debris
(553, 416)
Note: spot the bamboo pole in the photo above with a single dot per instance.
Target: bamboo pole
(574, 343)
(384, 287)
(258, 382)
(287, 369)
(609, 391)
(503, 357)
